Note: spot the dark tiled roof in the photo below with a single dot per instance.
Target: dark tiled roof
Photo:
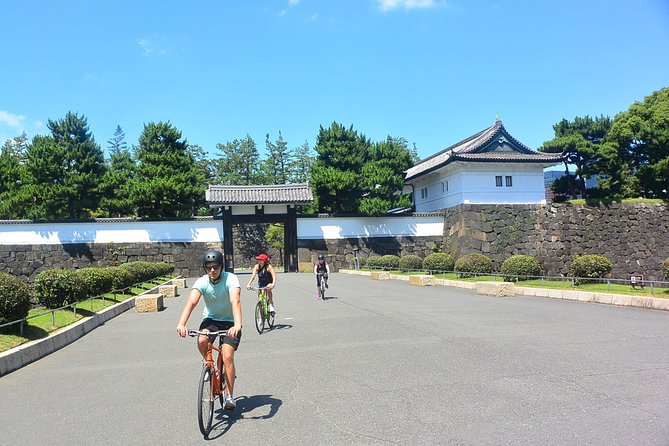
(481, 147)
(299, 193)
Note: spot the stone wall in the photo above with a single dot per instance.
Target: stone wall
(26, 261)
(634, 236)
(341, 253)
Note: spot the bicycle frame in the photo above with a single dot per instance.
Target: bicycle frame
(262, 310)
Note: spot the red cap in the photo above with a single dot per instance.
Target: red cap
(263, 257)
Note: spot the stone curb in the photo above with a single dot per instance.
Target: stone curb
(24, 354)
(622, 300)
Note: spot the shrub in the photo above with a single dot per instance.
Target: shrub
(14, 298)
(121, 277)
(142, 271)
(374, 262)
(58, 287)
(665, 268)
(98, 280)
(472, 264)
(591, 266)
(438, 261)
(410, 263)
(390, 261)
(520, 267)
(362, 261)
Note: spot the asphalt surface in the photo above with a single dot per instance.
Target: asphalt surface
(380, 362)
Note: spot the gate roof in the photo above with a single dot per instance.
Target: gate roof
(298, 194)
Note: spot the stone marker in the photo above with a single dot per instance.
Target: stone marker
(380, 275)
(181, 283)
(497, 289)
(148, 303)
(422, 280)
(168, 290)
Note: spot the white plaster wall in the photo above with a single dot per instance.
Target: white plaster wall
(209, 230)
(121, 232)
(348, 227)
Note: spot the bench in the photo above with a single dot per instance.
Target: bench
(636, 280)
(149, 303)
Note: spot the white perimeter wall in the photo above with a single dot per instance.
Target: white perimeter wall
(209, 230)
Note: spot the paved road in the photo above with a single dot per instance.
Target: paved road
(379, 363)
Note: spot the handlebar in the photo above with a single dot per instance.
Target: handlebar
(264, 288)
(193, 333)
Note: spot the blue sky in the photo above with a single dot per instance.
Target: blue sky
(431, 71)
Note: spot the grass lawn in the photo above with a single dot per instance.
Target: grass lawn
(553, 284)
(40, 326)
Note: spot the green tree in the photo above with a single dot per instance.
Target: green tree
(302, 162)
(238, 163)
(336, 174)
(639, 139)
(279, 157)
(579, 140)
(84, 161)
(168, 182)
(274, 236)
(115, 187)
(383, 177)
(13, 177)
(117, 142)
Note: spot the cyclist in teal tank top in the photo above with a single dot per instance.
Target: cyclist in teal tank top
(222, 311)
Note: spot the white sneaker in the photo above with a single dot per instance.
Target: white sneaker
(271, 308)
(230, 403)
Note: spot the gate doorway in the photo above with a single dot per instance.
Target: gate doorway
(260, 204)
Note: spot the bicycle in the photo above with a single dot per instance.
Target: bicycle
(212, 380)
(323, 284)
(262, 312)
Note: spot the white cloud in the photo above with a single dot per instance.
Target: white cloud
(389, 5)
(153, 47)
(293, 2)
(11, 120)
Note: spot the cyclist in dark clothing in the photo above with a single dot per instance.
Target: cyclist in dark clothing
(266, 278)
(324, 269)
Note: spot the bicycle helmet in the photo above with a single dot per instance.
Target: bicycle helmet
(321, 257)
(212, 256)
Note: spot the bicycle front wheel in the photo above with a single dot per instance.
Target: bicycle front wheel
(260, 317)
(322, 288)
(205, 400)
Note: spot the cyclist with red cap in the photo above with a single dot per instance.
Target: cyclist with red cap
(266, 278)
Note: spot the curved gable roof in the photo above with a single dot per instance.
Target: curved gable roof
(298, 194)
(494, 144)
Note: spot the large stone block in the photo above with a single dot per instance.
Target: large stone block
(180, 283)
(380, 275)
(497, 289)
(421, 280)
(168, 290)
(149, 303)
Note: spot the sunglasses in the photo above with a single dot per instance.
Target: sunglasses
(212, 267)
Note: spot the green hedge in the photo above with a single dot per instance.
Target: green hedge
(121, 277)
(98, 280)
(665, 268)
(14, 299)
(410, 263)
(142, 271)
(439, 261)
(590, 266)
(55, 288)
(470, 265)
(390, 261)
(520, 267)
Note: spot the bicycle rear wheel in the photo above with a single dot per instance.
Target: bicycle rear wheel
(322, 288)
(205, 397)
(260, 317)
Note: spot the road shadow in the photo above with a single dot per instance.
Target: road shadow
(281, 327)
(224, 419)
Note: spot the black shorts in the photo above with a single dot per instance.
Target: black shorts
(214, 325)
